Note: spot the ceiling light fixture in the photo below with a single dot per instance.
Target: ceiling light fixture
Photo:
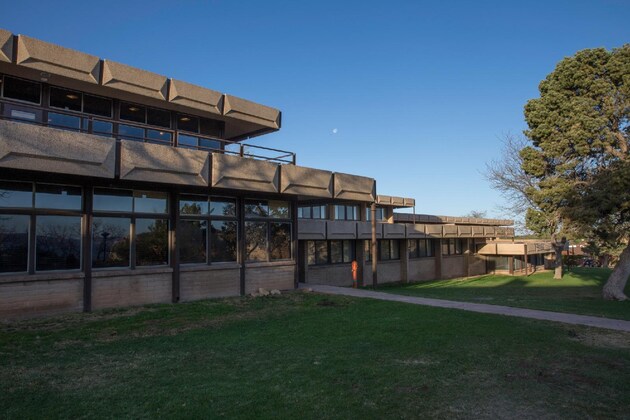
(185, 119)
(72, 96)
(133, 109)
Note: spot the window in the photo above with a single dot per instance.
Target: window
(188, 123)
(420, 248)
(110, 242)
(380, 214)
(197, 214)
(387, 249)
(65, 99)
(71, 100)
(330, 252)
(128, 223)
(349, 212)
(312, 212)
(14, 231)
(54, 213)
(268, 237)
(454, 246)
(22, 90)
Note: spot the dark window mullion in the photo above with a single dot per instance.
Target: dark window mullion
(132, 243)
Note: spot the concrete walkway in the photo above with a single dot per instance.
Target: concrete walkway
(590, 321)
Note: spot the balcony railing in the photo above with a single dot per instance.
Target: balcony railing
(127, 130)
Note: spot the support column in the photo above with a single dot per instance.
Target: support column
(438, 259)
(469, 256)
(404, 260)
(173, 248)
(241, 242)
(87, 248)
(511, 264)
(294, 243)
(374, 247)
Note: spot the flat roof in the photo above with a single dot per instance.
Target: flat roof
(34, 59)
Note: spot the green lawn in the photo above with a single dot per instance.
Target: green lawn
(304, 355)
(578, 292)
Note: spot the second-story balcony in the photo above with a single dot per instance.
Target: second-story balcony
(121, 129)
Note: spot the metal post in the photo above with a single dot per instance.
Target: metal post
(374, 248)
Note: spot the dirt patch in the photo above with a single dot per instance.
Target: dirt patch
(601, 338)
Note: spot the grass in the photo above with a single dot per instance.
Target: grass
(304, 355)
(579, 292)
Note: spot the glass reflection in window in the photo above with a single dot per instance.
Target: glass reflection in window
(149, 202)
(193, 204)
(223, 241)
(13, 243)
(110, 242)
(222, 207)
(65, 99)
(193, 237)
(151, 242)
(280, 241)
(22, 90)
(58, 243)
(59, 197)
(256, 241)
(16, 194)
(108, 199)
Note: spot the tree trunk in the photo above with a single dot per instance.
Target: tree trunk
(558, 272)
(613, 289)
(605, 261)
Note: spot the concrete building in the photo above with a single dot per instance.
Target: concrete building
(123, 187)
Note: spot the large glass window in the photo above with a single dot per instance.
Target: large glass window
(223, 241)
(65, 99)
(58, 243)
(380, 214)
(118, 212)
(197, 212)
(64, 121)
(420, 248)
(151, 242)
(71, 100)
(330, 252)
(57, 237)
(13, 242)
(110, 242)
(312, 212)
(188, 123)
(22, 90)
(256, 238)
(267, 240)
(453, 246)
(16, 194)
(59, 197)
(347, 212)
(387, 249)
(193, 240)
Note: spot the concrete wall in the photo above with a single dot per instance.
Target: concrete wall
(477, 265)
(35, 148)
(388, 272)
(334, 274)
(157, 163)
(40, 295)
(269, 276)
(120, 288)
(453, 266)
(421, 269)
(203, 281)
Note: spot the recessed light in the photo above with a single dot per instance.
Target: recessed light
(185, 119)
(133, 109)
(72, 96)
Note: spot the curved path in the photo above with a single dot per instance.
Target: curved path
(590, 321)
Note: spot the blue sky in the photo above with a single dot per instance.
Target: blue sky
(419, 93)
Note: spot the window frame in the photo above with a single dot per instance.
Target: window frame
(268, 219)
(133, 215)
(208, 217)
